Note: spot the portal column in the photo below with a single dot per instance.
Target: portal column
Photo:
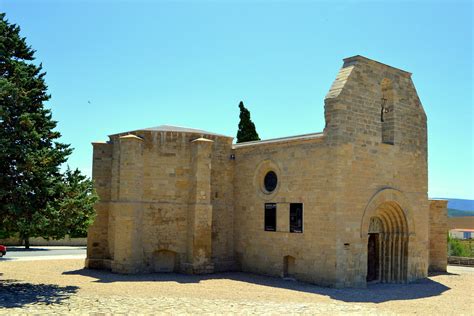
(128, 209)
(199, 248)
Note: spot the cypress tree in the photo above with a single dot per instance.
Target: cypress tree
(247, 131)
(31, 183)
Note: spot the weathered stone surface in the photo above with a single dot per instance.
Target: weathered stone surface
(188, 200)
(438, 236)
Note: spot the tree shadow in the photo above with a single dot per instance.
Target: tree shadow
(6, 259)
(14, 293)
(23, 249)
(374, 293)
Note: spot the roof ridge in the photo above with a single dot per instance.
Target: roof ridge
(279, 139)
(174, 128)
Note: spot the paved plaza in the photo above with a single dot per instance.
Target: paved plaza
(64, 287)
(44, 253)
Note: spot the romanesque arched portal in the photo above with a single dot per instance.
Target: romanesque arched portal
(387, 244)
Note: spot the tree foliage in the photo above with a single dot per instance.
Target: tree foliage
(458, 249)
(247, 131)
(35, 197)
(73, 211)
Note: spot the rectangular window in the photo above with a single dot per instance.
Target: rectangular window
(296, 217)
(467, 235)
(270, 217)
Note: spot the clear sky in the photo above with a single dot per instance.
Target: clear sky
(114, 66)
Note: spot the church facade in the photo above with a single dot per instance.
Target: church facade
(341, 208)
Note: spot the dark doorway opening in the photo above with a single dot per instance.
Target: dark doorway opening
(289, 267)
(164, 261)
(373, 258)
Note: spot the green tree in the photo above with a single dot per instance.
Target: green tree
(455, 248)
(72, 211)
(247, 131)
(31, 182)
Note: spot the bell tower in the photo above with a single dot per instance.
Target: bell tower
(375, 102)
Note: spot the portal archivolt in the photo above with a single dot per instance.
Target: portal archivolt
(387, 250)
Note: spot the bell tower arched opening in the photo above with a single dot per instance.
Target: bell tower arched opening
(387, 114)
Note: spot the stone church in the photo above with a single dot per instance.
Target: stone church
(341, 208)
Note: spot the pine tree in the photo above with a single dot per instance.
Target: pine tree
(30, 154)
(73, 211)
(247, 131)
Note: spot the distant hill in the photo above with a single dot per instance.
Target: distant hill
(460, 207)
(460, 204)
(452, 212)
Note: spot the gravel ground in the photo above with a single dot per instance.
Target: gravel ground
(63, 286)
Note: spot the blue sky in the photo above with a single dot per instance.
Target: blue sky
(189, 63)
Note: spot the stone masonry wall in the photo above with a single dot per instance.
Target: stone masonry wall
(98, 254)
(304, 176)
(438, 235)
(128, 209)
(147, 199)
(367, 165)
(222, 200)
(336, 177)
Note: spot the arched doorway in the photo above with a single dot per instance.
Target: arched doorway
(373, 257)
(387, 244)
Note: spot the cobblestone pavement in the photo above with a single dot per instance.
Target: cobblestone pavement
(64, 287)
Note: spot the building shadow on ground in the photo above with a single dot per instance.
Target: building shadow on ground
(434, 274)
(374, 293)
(14, 293)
